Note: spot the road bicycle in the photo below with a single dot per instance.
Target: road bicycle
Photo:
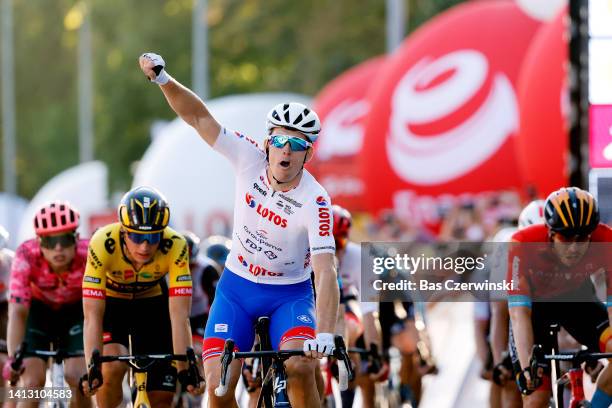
(140, 365)
(573, 377)
(273, 392)
(57, 368)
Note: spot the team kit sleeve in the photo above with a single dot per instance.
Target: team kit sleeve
(179, 276)
(240, 150)
(94, 278)
(19, 287)
(320, 224)
(520, 293)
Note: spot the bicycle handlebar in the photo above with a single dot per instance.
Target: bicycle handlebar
(228, 355)
(143, 362)
(574, 356)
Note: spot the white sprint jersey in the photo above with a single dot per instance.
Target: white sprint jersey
(350, 273)
(275, 232)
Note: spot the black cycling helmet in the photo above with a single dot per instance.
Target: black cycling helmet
(193, 243)
(217, 248)
(144, 210)
(571, 211)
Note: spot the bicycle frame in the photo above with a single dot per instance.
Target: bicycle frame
(141, 364)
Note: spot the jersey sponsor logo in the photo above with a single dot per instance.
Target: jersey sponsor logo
(128, 274)
(240, 135)
(271, 255)
(321, 248)
(166, 244)
(307, 260)
(260, 237)
(146, 275)
(91, 279)
(290, 200)
(95, 261)
(259, 189)
(257, 270)
(221, 328)
(249, 200)
(271, 216)
(109, 245)
(253, 245)
(263, 180)
(180, 261)
(321, 200)
(183, 278)
(116, 273)
(304, 319)
(265, 212)
(324, 222)
(94, 293)
(180, 291)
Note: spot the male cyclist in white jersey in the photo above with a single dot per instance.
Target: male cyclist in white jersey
(282, 232)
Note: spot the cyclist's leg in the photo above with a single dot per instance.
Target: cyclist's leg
(71, 340)
(152, 334)
(116, 342)
(354, 330)
(291, 324)
(540, 320)
(363, 380)
(227, 319)
(38, 337)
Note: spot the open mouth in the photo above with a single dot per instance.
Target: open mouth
(285, 164)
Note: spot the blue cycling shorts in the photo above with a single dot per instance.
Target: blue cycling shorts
(239, 303)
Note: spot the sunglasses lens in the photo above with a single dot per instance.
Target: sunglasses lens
(140, 238)
(65, 241)
(296, 144)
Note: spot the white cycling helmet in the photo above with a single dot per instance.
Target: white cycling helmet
(295, 116)
(532, 214)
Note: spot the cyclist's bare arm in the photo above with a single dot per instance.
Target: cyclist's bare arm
(326, 286)
(15, 332)
(187, 105)
(499, 329)
(93, 311)
(179, 307)
(523, 333)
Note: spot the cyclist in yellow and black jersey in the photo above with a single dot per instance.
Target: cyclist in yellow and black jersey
(110, 273)
(127, 302)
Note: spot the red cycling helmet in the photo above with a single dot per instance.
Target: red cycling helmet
(55, 217)
(342, 225)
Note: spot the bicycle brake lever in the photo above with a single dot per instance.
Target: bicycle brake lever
(226, 359)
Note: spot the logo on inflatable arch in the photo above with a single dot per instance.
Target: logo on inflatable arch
(448, 116)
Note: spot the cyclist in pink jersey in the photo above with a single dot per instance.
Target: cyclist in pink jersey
(45, 297)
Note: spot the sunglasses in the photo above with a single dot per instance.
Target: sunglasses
(296, 144)
(138, 239)
(573, 238)
(65, 241)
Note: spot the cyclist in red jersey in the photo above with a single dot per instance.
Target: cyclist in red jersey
(550, 266)
(45, 297)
